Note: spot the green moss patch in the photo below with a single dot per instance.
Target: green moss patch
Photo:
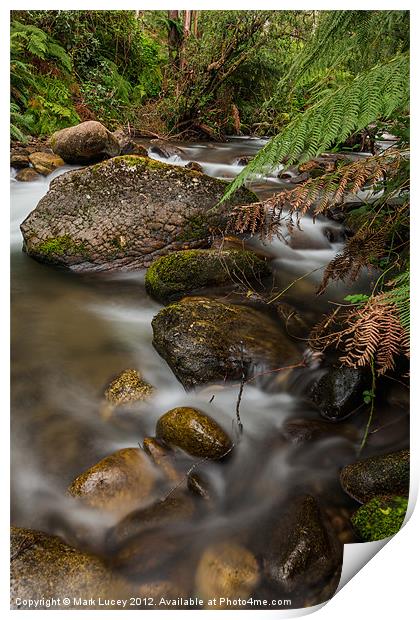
(56, 247)
(171, 277)
(379, 518)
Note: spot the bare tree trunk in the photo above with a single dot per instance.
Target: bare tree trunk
(195, 23)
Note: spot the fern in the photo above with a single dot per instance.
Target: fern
(399, 295)
(375, 94)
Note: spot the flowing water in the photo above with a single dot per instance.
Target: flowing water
(71, 333)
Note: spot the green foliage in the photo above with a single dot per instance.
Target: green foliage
(380, 517)
(399, 295)
(359, 298)
(376, 94)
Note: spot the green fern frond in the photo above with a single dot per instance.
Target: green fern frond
(400, 296)
(372, 95)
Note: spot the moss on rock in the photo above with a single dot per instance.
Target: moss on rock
(380, 517)
(171, 277)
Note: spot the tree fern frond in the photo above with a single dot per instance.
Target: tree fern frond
(373, 95)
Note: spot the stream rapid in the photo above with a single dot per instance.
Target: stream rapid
(71, 333)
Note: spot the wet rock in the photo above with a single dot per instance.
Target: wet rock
(124, 213)
(178, 506)
(204, 340)
(244, 160)
(165, 149)
(303, 551)
(85, 143)
(226, 570)
(380, 517)
(118, 483)
(128, 387)
(388, 474)
(301, 430)
(163, 457)
(44, 567)
(27, 175)
(127, 145)
(194, 432)
(339, 392)
(193, 165)
(45, 163)
(301, 240)
(170, 277)
(19, 160)
(328, 162)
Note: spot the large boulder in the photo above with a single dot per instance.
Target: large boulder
(170, 277)
(85, 143)
(124, 213)
(44, 567)
(204, 340)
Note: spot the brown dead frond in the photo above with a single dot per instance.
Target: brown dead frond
(372, 332)
(318, 194)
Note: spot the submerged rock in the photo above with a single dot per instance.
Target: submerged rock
(204, 340)
(44, 567)
(380, 517)
(124, 213)
(226, 570)
(193, 431)
(118, 483)
(178, 506)
(198, 485)
(27, 175)
(339, 392)
(45, 163)
(303, 551)
(128, 387)
(85, 143)
(300, 430)
(166, 149)
(170, 277)
(388, 474)
(163, 457)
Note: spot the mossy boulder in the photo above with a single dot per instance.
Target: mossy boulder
(380, 517)
(204, 340)
(45, 567)
(194, 432)
(303, 551)
(124, 213)
(128, 387)
(85, 143)
(339, 393)
(118, 483)
(388, 474)
(170, 277)
(226, 570)
(45, 163)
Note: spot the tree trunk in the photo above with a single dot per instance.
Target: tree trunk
(174, 38)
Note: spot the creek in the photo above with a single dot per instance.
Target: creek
(71, 333)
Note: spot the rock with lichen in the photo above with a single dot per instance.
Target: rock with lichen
(45, 163)
(171, 277)
(128, 387)
(380, 517)
(125, 212)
